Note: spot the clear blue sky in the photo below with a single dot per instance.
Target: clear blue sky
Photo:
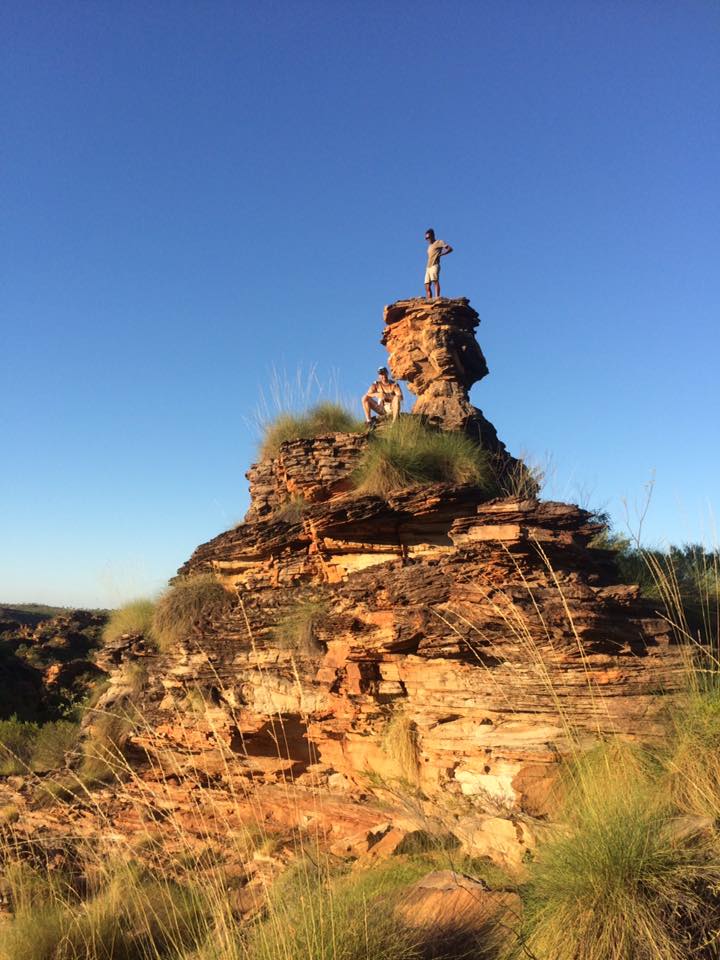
(195, 193)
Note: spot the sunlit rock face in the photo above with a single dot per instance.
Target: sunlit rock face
(457, 647)
(432, 346)
(490, 634)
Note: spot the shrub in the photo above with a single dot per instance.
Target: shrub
(17, 742)
(408, 453)
(184, 605)
(135, 617)
(319, 420)
(297, 629)
(53, 742)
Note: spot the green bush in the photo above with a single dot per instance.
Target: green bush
(17, 743)
(408, 453)
(185, 604)
(324, 418)
(135, 617)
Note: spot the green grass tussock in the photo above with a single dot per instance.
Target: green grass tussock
(53, 742)
(130, 917)
(619, 881)
(185, 604)
(316, 915)
(135, 617)
(691, 758)
(408, 453)
(323, 418)
(17, 742)
(292, 510)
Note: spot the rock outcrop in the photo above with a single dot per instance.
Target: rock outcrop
(431, 637)
(432, 346)
(430, 642)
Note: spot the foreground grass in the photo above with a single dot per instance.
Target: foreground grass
(408, 453)
(131, 916)
(323, 418)
(628, 876)
(315, 915)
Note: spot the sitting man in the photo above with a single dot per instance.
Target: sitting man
(384, 397)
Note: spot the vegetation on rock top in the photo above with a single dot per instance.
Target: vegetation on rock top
(135, 617)
(323, 418)
(409, 453)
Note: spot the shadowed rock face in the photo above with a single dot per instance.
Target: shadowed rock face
(432, 346)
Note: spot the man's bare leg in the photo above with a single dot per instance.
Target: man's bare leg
(437, 288)
(428, 291)
(368, 405)
(395, 404)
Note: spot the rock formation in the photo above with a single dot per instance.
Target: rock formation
(431, 639)
(432, 346)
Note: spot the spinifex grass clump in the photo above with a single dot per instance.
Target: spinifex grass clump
(407, 453)
(185, 604)
(692, 757)
(315, 916)
(297, 628)
(135, 617)
(620, 881)
(17, 742)
(130, 916)
(323, 418)
(401, 743)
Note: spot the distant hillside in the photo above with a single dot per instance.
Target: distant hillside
(30, 613)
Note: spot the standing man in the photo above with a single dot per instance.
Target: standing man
(435, 250)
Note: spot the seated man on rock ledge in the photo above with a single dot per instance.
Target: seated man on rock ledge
(384, 397)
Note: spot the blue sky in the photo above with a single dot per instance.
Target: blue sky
(195, 194)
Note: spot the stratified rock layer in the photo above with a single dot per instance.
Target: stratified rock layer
(430, 642)
(489, 631)
(432, 346)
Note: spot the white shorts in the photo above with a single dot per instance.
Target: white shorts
(432, 274)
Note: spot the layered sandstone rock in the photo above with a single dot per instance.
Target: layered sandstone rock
(432, 346)
(489, 631)
(430, 643)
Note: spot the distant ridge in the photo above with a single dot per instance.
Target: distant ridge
(30, 613)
